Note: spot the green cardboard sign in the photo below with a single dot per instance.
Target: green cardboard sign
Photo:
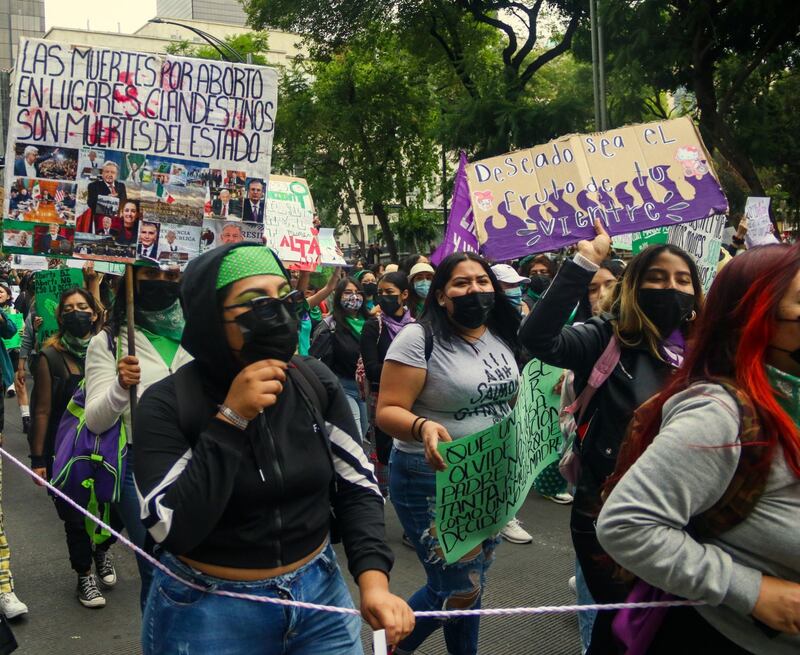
(49, 287)
(645, 238)
(490, 473)
(18, 320)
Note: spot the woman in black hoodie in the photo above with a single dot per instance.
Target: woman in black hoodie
(242, 458)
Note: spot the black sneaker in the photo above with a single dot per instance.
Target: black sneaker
(104, 566)
(26, 424)
(407, 542)
(88, 593)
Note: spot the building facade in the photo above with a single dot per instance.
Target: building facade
(215, 11)
(18, 18)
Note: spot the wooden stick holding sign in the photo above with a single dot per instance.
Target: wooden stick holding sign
(129, 282)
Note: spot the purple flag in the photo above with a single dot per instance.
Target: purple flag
(460, 233)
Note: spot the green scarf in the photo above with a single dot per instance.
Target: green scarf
(356, 324)
(315, 313)
(76, 346)
(787, 388)
(167, 322)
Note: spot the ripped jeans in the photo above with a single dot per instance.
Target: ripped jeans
(412, 490)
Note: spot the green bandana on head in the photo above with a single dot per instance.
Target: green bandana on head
(247, 261)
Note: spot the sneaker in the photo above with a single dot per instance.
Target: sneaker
(26, 424)
(407, 542)
(514, 533)
(573, 585)
(561, 499)
(104, 566)
(11, 392)
(88, 593)
(12, 606)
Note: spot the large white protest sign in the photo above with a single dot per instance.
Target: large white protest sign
(702, 240)
(288, 222)
(116, 155)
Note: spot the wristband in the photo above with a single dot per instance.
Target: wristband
(739, 241)
(238, 420)
(419, 430)
(413, 428)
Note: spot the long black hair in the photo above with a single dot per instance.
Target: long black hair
(398, 279)
(338, 311)
(503, 320)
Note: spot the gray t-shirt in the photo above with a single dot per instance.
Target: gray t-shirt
(468, 386)
(682, 473)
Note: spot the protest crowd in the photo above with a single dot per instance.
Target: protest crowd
(271, 415)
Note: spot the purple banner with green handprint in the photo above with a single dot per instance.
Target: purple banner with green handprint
(632, 179)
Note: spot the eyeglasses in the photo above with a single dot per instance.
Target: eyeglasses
(267, 305)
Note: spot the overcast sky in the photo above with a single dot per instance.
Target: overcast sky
(103, 15)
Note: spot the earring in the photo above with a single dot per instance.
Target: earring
(692, 316)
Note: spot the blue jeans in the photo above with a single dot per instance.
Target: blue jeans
(130, 513)
(585, 619)
(412, 489)
(179, 619)
(357, 406)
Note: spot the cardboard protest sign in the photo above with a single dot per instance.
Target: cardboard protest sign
(49, 287)
(759, 227)
(640, 240)
(459, 236)
(18, 320)
(119, 156)
(622, 242)
(489, 473)
(329, 250)
(288, 222)
(702, 240)
(631, 178)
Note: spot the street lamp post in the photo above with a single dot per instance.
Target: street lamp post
(212, 40)
(598, 67)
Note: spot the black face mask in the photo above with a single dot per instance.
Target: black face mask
(369, 288)
(538, 284)
(667, 309)
(472, 310)
(389, 305)
(269, 331)
(794, 354)
(78, 324)
(156, 295)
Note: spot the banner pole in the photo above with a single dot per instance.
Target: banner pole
(131, 329)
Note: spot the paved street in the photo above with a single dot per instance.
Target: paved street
(57, 624)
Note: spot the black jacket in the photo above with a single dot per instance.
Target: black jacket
(375, 344)
(337, 347)
(637, 377)
(261, 498)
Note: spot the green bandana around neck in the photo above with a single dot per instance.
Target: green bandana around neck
(788, 392)
(167, 322)
(76, 346)
(356, 324)
(247, 261)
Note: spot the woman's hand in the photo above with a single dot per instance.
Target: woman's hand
(432, 433)
(597, 249)
(129, 373)
(256, 387)
(42, 473)
(778, 605)
(382, 609)
(37, 322)
(741, 229)
(19, 377)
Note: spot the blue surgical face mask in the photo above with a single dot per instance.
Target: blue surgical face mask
(514, 294)
(421, 287)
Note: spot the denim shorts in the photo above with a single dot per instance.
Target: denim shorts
(179, 619)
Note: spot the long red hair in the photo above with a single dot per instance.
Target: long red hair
(729, 342)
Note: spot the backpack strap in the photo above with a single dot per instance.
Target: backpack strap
(55, 361)
(750, 478)
(601, 371)
(312, 389)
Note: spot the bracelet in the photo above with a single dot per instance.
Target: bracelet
(739, 241)
(413, 428)
(238, 421)
(419, 430)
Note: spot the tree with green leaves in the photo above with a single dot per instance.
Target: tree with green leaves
(458, 31)
(361, 125)
(718, 49)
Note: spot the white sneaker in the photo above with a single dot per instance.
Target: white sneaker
(514, 533)
(573, 585)
(561, 499)
(12, 606)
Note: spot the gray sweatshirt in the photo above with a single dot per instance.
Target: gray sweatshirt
(683, 473)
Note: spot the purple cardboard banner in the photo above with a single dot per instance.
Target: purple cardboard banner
(634, 178)
(460, 233)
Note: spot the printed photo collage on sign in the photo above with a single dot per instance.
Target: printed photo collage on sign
(118, 206)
